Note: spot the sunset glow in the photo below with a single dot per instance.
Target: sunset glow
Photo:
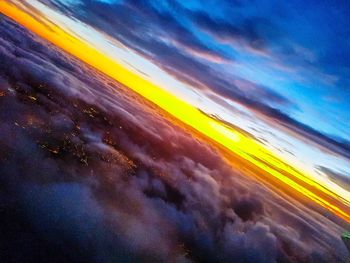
(241, 145)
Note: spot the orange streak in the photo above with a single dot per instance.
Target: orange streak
(235, 141)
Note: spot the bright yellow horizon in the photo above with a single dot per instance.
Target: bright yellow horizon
(236, 142)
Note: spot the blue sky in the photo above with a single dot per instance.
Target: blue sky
(277, 69)
(308, 48)
(298, 50)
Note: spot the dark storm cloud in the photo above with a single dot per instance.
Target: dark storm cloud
(246, 32)
(304, 132)
(90, 172)
(147, 23)
(336, 176)
(258, 34)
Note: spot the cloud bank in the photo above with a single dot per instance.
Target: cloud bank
(90, 172)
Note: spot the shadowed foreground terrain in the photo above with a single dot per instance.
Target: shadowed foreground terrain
(90, 172)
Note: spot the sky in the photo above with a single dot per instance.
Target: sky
(90, 171)
(276, 70)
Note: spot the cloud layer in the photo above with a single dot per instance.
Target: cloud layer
(90, 172)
